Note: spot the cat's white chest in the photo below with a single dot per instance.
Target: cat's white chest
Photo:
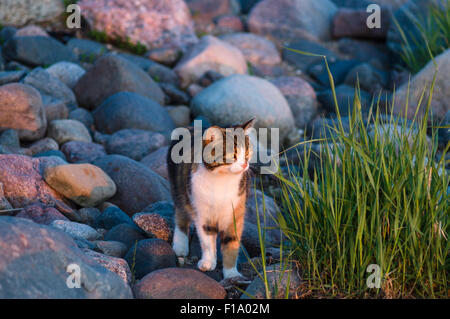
(215, 195)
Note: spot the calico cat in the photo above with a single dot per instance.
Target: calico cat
(212, 194)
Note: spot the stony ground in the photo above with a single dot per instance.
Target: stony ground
(85, 127)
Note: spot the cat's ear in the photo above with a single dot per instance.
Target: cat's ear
(248, 125)
(211, 134)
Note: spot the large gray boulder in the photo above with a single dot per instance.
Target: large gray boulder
(35, 261)
(440, 103)
(127, 110)
(137, 185)
(238, 98)
(112, 74)
(292, 19)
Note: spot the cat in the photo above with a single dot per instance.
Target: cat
(212, 194)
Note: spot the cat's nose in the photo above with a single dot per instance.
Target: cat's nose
(244, 166)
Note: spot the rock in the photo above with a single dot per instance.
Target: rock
(158, 72)
(256, 49)
(86, 50)
(149, 255)
(408, 16)
(10, 138)
(164, 209)
(134, 143)
(292, 19)
(43, 145)
(54, 109)
(67, 72)
(7, 32)
(112, 74)
(300, 96)
(157, 161)
(22, 109)
(178, 283)
(26, 249)
(368, 78)
(41, 214)
(4, 204)
(52, 153)
(174, 95)
(117, 265)
(82, 152)
(36, 50)
(209, 78)
(21, 12)
(111, 248)
(181, 115)
(167, 56)
(88, 215)
(127, 110)
(247, 5)
(303, 62)
(444, 133)
(229, 23)
(323, 127)
(76, 230)
(194, 89)
(353, 23)
(205, 10)
(63, 131)
(210, 53)
(82, 115)
(339, 69)
(345, 95)
(250, 236)
(243, 97)
(440, 103)
(11, 76)
(23, 183)
(50, 86)
(85, 184)
(279, 281)
(112, 216)
(137, 185)
(151, 23)
(125, 234)
(31, 30)
(366, 51)
(153, 224)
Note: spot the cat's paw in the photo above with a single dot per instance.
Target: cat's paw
(180, 243)
(230, 273)
(206, 264)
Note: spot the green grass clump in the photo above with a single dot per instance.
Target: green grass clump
(374, 198)
(434, 37)
(125, 44)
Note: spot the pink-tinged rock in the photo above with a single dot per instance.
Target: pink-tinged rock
(207, 10)
(116, 265)
(256, 49)
(23, 183)
(82, 152)
(21, 108)
(157, 161)
(229, 23)
(178, 283)
(153, 224)
(154, 23)
(353, 23)
(292, 19)
(41, 214)
(300, 96)
(31, 30)
(210, 53)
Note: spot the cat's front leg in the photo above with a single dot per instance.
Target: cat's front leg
(180, 243)
(207, 234)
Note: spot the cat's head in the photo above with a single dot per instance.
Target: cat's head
(227, 150)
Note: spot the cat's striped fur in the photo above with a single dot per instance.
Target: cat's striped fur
(212, 194)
